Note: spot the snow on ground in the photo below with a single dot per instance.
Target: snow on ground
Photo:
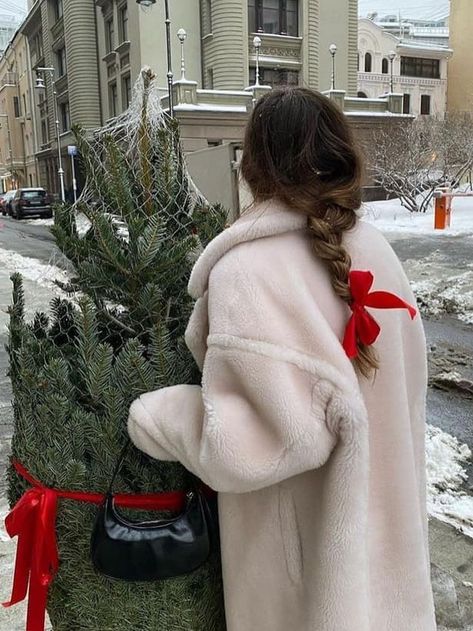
(40, 221)
(439, 285)
(38, 282)
(390, 216)
(446, 473)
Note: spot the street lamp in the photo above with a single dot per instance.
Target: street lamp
(392, 57)
(147, 4)
(181, 34)
(333, 51)
(257, 45)
(40, 85)
(10, 152)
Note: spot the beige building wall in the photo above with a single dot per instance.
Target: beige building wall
(460, 74)
(143, 45)
(226, 59)
(17, 145)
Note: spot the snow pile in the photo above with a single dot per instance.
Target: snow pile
(32, 269)
(390, 216)
(446, 474)
(453, 295)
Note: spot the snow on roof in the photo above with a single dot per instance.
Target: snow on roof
(431, 10)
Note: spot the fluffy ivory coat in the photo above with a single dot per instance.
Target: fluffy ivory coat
(321, 475)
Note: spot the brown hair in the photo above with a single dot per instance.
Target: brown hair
(299, 148)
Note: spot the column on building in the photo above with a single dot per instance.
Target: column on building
(224, 44)
(82, 65)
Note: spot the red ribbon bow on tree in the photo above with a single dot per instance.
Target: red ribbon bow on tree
(33, 519)
(362, 326)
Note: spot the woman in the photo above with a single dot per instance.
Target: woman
(312, 435)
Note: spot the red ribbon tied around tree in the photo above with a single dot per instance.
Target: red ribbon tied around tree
(362, 326)
(33, 520)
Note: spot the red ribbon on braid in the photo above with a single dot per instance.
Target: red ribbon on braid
(33, 520)
(362, 327)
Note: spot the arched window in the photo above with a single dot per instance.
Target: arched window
(362, 95)
(368, 62)
(385, 66)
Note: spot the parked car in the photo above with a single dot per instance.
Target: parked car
(31, 201)
(6, 202)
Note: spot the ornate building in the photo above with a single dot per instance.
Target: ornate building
(419, 69)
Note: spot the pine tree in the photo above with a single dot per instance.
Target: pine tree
(119, 333)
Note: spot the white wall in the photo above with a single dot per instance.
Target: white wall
(374, 40)
(183, 14)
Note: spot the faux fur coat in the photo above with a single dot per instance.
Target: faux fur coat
(320, 474)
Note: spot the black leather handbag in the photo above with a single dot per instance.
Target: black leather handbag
(151, 550)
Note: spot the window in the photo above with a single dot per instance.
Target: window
(274, 77)
(425, 104)
(406, 104)
(123, 23)
(206, 17)
(385, 66)
(113, 100)
(65, 117)
(44, 133)
(61, 61)
(24, 104)
(210, 79)
(109, 35)
(368, 62)
(418, 67)
(16, 107)
(273, 16)
(126, 91)
(362, 95)
(58, 9)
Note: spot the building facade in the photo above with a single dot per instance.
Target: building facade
(419, 70)
(460, 75)
(295, 34)
(17, 137)
(61, 36)
(93, 51)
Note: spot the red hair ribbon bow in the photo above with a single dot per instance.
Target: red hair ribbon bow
(362, 326)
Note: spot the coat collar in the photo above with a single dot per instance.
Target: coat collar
(263, 220)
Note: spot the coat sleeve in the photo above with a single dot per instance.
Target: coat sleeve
(262, 415)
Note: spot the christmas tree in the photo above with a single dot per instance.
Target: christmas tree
(117, 332)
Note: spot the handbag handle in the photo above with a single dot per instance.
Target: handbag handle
(195, 482)
(119, 464)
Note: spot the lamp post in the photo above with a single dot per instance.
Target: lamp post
(333, 51)
(257, 45)
(40, 85)
(392, 57)
(181, 35)
(147, 4)
(10, 152)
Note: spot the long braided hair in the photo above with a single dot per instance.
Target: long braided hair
(299, 148)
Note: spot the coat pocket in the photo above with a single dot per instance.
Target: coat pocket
(290, 535)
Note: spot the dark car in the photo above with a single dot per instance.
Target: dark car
(31, 201)
(6, 202)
